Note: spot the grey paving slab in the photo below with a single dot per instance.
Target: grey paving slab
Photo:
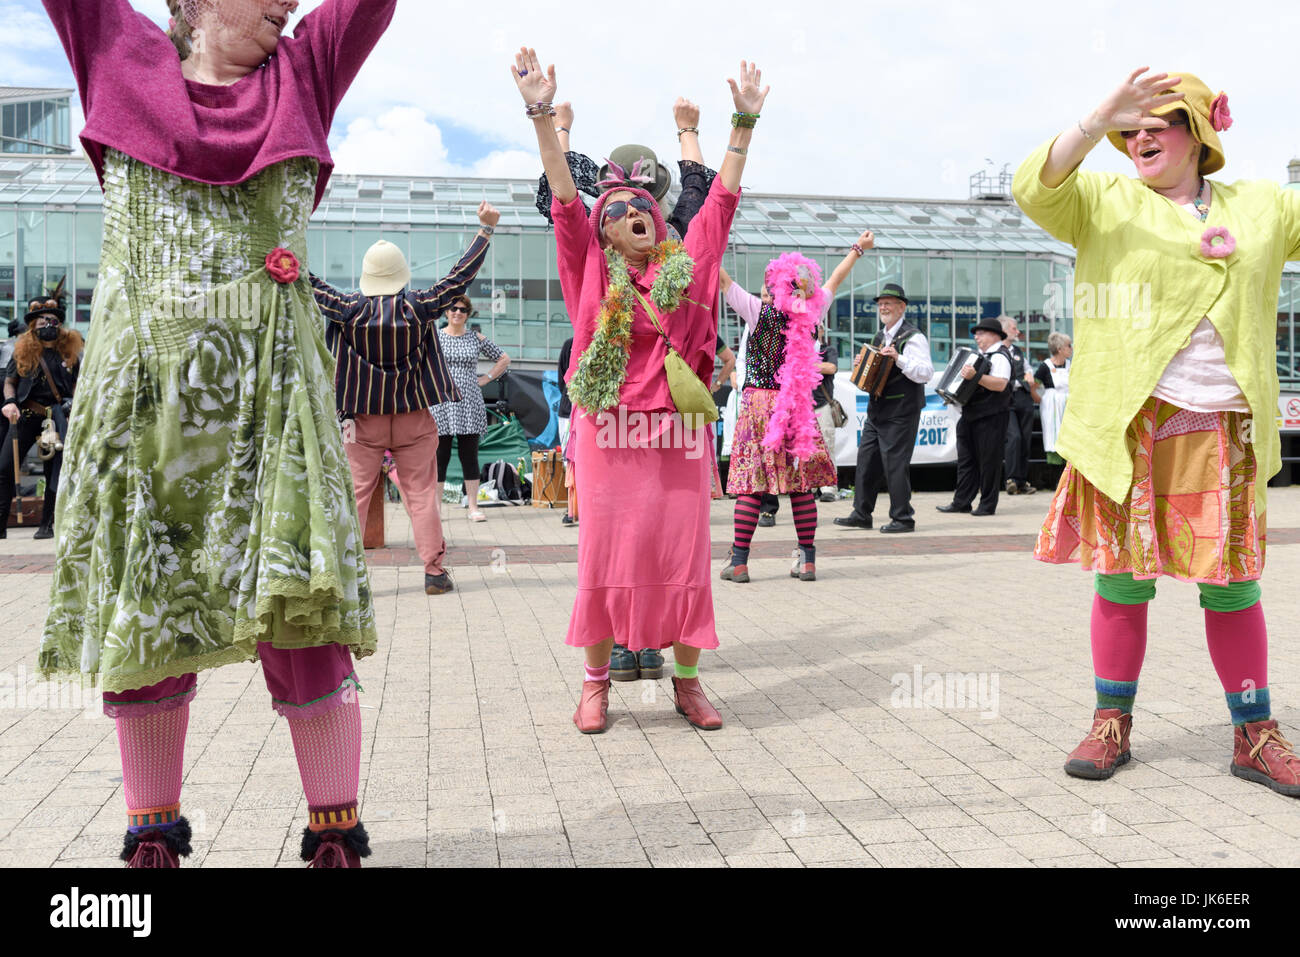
(899, 734)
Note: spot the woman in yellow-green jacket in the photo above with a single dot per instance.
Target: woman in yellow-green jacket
(1171, 430)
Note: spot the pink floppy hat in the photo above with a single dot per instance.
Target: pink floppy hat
(656, 214)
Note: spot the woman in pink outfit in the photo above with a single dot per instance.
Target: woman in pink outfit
(643, 556)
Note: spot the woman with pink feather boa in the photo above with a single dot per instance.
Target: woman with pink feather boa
(778, 447)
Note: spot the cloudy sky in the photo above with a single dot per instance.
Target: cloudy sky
(868, 98)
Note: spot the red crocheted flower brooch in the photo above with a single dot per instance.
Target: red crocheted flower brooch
(282, 265)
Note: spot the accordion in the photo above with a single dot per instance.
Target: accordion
(870, 370)
(952, 388)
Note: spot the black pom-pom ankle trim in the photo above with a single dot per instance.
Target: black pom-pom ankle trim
(354, 837)
(177, 838)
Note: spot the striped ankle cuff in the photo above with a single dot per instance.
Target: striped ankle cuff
(1247, 706)
(153, 816)
(1115, 694)
(338, 817)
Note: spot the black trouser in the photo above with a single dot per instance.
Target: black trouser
(27, 430)
(768, 503)
(1020, 426)
(885, 457)
(466, 451)
(980, 444)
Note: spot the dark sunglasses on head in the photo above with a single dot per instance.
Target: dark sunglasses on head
(618, 208)
(458, 309)
(1176, 121)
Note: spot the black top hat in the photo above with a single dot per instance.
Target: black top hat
(988, 324)
(41, 305)
(892, 289)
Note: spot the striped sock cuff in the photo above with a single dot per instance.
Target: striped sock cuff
(1252, 705)
(338, 817)
(1115, 694)
(150, 817)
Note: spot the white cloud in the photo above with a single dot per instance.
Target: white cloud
(405, 141)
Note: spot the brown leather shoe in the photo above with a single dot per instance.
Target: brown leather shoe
(1260, 753)
(590, 716)
(692, 703)
(1104, 749)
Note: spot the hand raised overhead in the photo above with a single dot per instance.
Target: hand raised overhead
(748, 94)
(1128, 106)
(535, 85)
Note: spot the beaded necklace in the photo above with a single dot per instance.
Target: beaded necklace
(1202, 207)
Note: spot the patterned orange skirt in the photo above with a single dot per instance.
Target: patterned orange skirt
(1190, 514)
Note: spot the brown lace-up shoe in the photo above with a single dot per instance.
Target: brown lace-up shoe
(590, 716)
(692, 703)
(1261, 754)
(1104, 749)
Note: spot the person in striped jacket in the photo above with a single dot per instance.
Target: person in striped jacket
(389, 371)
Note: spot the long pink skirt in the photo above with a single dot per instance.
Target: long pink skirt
(643, 546)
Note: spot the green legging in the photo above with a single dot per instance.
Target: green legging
(1123, 589)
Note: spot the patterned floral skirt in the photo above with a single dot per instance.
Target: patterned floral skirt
(1190, 514)
(754, 469)
(207, 503)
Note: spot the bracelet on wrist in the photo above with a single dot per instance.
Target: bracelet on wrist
(688, 129)
(744, 121)
(540, 108)
(1084, 130)
(858, 249)
(561, 129)
(487, 229)
(740, 150)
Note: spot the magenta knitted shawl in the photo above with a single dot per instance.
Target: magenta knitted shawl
(136, 100)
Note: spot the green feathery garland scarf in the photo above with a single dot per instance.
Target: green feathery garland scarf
(603, 365)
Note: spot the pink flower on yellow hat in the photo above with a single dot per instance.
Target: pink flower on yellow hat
(282, 265)
(1220, 118)
(1217, 243)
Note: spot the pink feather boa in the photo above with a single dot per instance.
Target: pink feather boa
(795, 283)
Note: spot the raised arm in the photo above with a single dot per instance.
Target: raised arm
(564, 123)
(90, 32)
(859, 248)
(537, 87)
(1126, 108)
(687, 117)
(433, 300)
(340, 35)
(742, 303)
(334, 305)
(748, 96)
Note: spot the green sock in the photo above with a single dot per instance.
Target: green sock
(681, 671)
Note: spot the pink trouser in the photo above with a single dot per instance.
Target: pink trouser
(412, 437)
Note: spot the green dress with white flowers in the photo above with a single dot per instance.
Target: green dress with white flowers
(206, 501)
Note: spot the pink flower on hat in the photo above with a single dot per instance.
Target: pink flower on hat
(1220, 118)
(1217, 243)
(282, 265)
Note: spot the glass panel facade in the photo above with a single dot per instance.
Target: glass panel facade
(35, 126)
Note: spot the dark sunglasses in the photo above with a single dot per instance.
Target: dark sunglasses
(618, 208)
(458, 309)
(1177, 121)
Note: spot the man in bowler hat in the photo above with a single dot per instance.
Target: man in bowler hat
(889, 434)
(982, 428)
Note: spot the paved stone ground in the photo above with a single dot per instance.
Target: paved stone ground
(470, 756)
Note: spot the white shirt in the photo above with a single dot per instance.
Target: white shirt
(1197, 377)
(914, 361)
(999, 364)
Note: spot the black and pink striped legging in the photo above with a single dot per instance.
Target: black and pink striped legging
(802, 504)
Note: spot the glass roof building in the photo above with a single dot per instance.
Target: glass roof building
(35, 121)
(957, 260)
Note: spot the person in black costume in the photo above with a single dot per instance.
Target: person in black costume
(1020, 422)
(38, 385)
(982, 428)
(889, 434)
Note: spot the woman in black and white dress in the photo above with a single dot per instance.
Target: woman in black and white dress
(466, 420)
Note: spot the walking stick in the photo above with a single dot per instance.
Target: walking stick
(17, 478)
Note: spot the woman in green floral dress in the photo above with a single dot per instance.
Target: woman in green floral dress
(207, 515)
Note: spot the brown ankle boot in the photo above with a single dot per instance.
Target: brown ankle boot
(1261, 754)
(1104, 749)
(692, 703)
